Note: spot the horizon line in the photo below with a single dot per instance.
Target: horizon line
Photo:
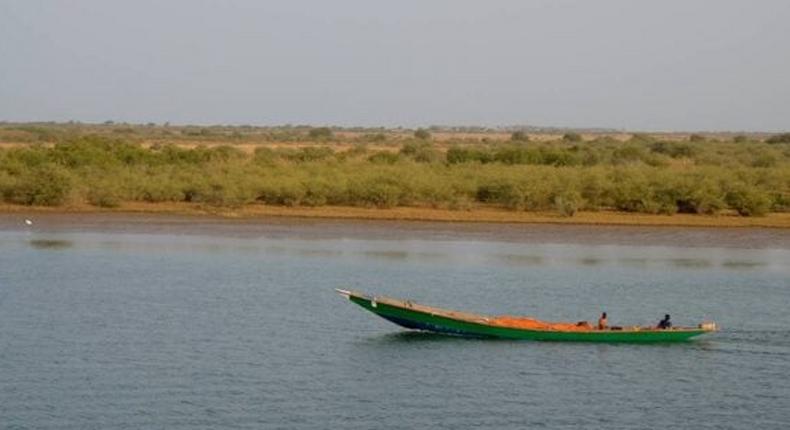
(437, 127)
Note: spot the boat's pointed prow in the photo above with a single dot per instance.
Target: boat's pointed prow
(344, 293)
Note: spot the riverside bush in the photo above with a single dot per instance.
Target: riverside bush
(748, 202)
(46, 185)
(639, 175)
(567, 203)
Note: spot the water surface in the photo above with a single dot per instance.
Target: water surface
(166, 322)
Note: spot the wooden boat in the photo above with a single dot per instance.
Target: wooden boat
(426, 318)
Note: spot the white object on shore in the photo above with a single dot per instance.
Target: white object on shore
(28, 222)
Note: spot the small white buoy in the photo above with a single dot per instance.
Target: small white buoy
(28, 222)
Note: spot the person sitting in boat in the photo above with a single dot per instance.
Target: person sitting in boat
(665, 323)
(603, 323)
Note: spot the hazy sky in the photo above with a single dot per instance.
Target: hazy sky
(648, 65)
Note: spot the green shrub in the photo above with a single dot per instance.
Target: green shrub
(422, 134)
(594, 189)
(457, 155)
(673, 149)
(287, 192)
(422, 152)
(46, 185)
(740, 139)
(627, 154)
(427, 155)
(699, 195)
(630, 191)
(359, 150)
(488, 193)
(572, 137)
(320, 133)
(311, 153)
(638, 175)
(161, 188)
(748, 202)
(375, 137)
(495, 192)
(568, 202)
(779, 138)
(384, 157)
(512, 154)
(519, 136)
(508, 194)
(264, 155)
(104, 197)
(322, 191)
(557, 157)
(409, 149)
(222, 153)
(663, 196)
(765, 160)
(17, 161)
(376, 191)
(7, 185)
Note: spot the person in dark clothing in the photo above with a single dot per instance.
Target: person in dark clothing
(665, 323)
(603, 322)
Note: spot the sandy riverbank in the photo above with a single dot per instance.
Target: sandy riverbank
(478, 215)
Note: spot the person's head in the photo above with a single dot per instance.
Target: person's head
(666, 317)
(603, 315)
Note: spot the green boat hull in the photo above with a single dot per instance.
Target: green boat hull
(403, 314)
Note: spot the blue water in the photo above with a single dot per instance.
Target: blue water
(196, 329)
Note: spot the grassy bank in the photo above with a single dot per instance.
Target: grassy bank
(568, 177)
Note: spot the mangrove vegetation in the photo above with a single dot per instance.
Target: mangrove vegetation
(747, 176)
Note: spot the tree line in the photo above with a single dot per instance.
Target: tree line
(568, 175)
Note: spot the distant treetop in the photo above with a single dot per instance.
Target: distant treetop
(519, 136)
(422, 133)
(320, 133)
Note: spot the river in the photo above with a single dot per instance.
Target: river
(141, 321)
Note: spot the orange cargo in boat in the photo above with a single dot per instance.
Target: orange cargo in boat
(535, 324)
